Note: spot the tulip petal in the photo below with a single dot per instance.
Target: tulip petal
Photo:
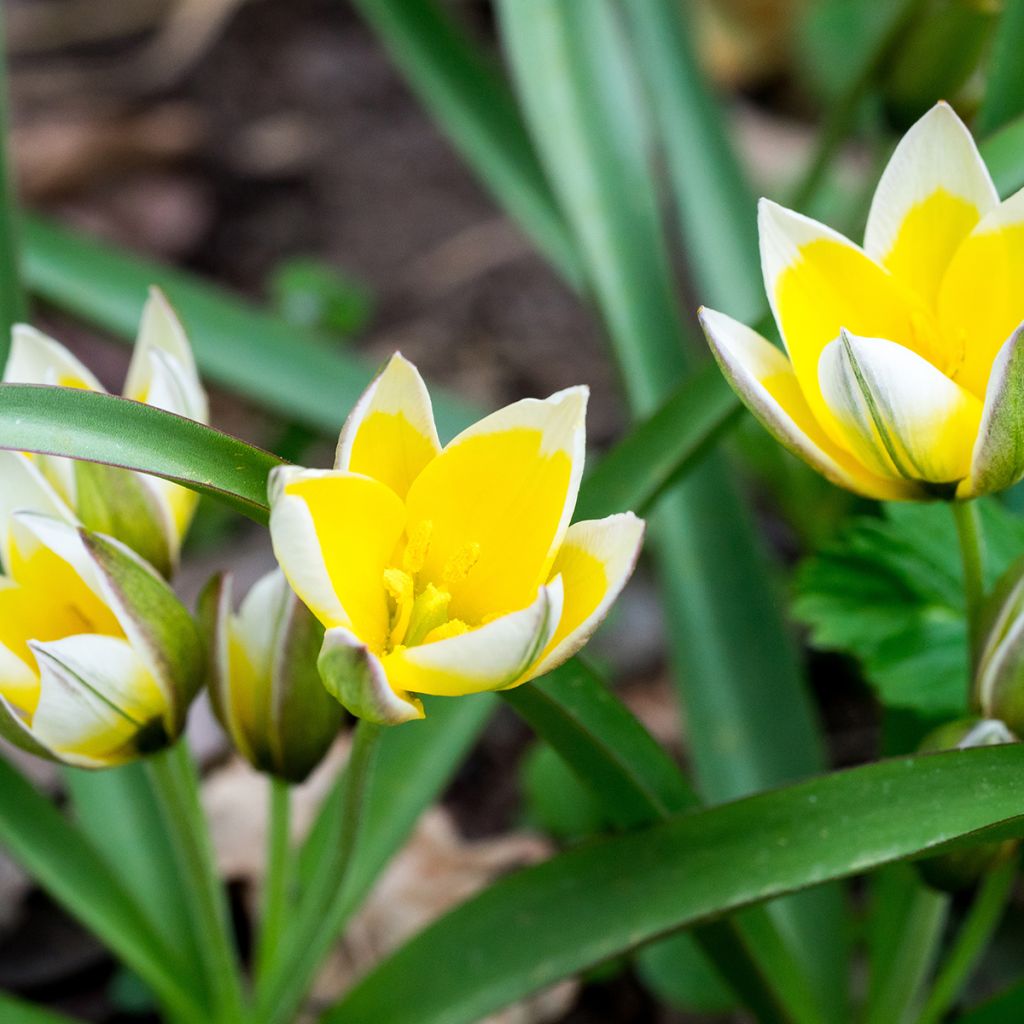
(900, 415)
(98, 702)
(491, 657)
(23, 488)
(818, 282)
(933, 192)
(355, 677)
(163, 369)
(596, 559)
(764, 379)
(334, 534)
(980, 303)
(390, 433)
(36, 358)
(15, 729)
(497, 501)
(998, 458)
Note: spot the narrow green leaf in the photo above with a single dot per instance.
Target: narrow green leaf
(471, 102)
(101, 428)
(1005, 1008)
(595, 902)
(1004, 155)
(294, 372)
(17, 1011)
(56, 854)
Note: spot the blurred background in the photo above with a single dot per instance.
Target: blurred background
(272, 147)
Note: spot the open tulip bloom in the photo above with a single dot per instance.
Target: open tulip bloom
(149, 514)
(447, 571)
(905, 370)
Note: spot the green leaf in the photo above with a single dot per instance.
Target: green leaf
(472, 104)
(888, 591)
(1004, 155)
(60, 859)
(17, 1011)
(1004, 89)
(661, 449)
(595, 902)
(1005, 1008)
(555, 801)
(296, 373)
(678, 973)
(313, 294)
(101, 428)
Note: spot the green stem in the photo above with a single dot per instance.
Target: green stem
(323, 905)
(277, 881)
(972, 556)
(971, 942)
(176, 786)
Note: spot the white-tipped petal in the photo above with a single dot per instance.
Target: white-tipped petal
(492, 657)
(36, 358)
(933, 192)
(390, 433)
(596, 559)
(23, 488)
(764, 379)
(355, 677)
(900, 415)
(998, 458)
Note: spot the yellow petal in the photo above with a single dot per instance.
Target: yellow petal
(491, 657)
(23, 488)
(390, 434)
(334, 534)
(981, 301)
(901, 416)
(498, 500)
(595, 561)
(933, 192)
(763, 377)
(38, 359)
(819, 282)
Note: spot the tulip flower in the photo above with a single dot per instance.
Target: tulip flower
(264, 683)
(148, 514)
(447, 571)
(98, 659)
(903, 376)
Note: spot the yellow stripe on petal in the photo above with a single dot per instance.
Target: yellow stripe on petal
(933, 192)
(499, 499)
(819, 282)
(390, 434)
(334, 534)
(764, 379)
(595, 561)
(981, 300)
(900, 415)
(491, 657)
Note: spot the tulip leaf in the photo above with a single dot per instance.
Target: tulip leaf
(66, 865)
(101, 428)
(594, 902)
(16, 1011)
(1004, 87)
(888, 591)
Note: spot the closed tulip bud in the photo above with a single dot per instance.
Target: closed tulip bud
(264, 683)
(148, 514)
(999, 675)
(99, 660)
(951, 872)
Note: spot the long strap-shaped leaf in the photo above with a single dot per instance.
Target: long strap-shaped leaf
(35, 834)
(593, 903)
(16, 1011)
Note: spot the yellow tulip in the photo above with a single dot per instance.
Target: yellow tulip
(447, 571)
(905, 371)
(148, 514)
(98, 659)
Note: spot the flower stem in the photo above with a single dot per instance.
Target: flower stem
(176, 785)
(278, 879)
(316, 925)
(972, 556)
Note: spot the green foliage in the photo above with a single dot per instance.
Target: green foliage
(888, 591)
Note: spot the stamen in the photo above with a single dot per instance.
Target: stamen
(419, 544)
(454, 627)
(429, 610)
(400, 588)
(459, 566)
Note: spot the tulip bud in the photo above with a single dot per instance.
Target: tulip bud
(999, 673)
(263, 677)
(961, 869)
(99, 661)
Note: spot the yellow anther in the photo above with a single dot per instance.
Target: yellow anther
(400, 588)
(416, 550)
(460, 565)
(454, 627)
